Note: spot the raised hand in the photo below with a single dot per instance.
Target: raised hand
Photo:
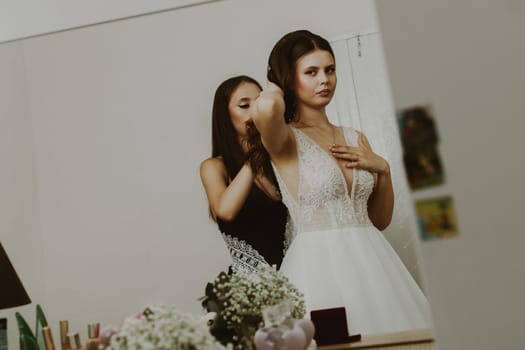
(272, 87)
(270, 101)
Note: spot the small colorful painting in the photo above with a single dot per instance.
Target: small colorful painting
(419, 139)
(436, 218)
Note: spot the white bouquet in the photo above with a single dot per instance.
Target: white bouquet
(239, 298)
(164, 328)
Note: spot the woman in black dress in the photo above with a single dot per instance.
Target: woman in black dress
(239, 180)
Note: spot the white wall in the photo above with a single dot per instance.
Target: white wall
(25, 18)
(19, 229)
(119, 120)
(466, 58)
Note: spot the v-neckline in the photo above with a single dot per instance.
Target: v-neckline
(341, 174)
(348, 193)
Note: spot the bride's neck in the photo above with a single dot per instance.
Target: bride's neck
(311, 117)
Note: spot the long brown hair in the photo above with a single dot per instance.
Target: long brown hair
(225, 142)
(282, 63)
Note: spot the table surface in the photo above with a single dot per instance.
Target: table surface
(419, 339)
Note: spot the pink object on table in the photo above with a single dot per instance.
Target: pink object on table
(106, 333)
(298, 337)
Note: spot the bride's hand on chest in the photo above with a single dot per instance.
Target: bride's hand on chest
(360, 156)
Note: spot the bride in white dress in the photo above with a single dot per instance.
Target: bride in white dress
(339, 195)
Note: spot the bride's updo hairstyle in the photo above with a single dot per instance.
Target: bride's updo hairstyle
(283, 59)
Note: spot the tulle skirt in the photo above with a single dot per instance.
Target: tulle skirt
(357, 268)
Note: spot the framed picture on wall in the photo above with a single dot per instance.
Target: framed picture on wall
(419, 139)
(436, 218)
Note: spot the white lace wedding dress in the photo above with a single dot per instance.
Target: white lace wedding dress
(336, 257)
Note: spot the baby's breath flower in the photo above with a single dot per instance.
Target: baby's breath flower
(243, 297)
(163, 329)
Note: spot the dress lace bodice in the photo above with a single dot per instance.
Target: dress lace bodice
(324, 200)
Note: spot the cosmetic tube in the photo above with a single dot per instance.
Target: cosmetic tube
(48, 338)
(74, 341)
(64, 327)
